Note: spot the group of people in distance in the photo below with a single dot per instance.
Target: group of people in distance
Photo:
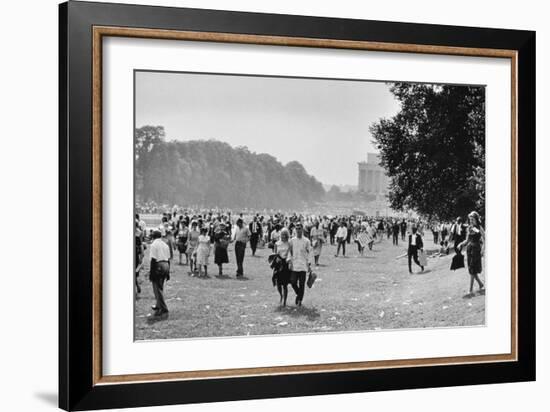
(196, 235)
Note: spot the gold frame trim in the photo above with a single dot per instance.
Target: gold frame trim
(101, 31)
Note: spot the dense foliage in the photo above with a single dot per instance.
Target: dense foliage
(211, 173)
(434, 149)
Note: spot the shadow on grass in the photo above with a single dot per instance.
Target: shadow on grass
(474, 294)
(310, 313)
(424, 272)
(155, 319)
(203, 277)
(223, 277)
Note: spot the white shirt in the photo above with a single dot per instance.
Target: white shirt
(275, 235)
(342, 232)
(301, 248)
(283, 248)
(413, 239)
(241, 234)
(159, 250)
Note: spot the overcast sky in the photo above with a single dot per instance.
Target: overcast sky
(324, 124)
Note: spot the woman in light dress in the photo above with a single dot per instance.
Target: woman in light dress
(183, 235)
(203, 252)
(192, 243)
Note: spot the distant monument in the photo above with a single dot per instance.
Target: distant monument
(372, 177)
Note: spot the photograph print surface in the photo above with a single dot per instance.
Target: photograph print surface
(283, 205)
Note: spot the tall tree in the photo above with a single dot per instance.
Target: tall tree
(433, 150)
(146, 138)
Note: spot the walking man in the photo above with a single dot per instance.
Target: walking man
(435, 231)
(395, 232)
(299, 259)
(415, 244)
(242, 234)
(255, 234)
(332, 228)
(160, 272)
(403, 229)
(341, 236)
(458, 234)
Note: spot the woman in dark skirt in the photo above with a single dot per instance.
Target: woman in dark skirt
(281, 279)
(221, 241)
(474, 250)
(182, 243)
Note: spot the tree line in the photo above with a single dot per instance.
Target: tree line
(210, 173)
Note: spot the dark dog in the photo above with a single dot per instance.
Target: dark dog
(281, 276)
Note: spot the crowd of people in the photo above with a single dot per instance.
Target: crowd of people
(298, 239)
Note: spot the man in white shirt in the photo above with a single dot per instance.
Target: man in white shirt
(241, 236)
(160, 271)
(299, 259)
(341, 236)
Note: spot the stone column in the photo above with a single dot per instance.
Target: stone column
(361, 183)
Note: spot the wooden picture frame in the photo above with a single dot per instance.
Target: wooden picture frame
(82, 27)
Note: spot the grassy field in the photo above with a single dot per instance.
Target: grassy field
(350, 294)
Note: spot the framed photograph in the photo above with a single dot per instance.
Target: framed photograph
(257, 205)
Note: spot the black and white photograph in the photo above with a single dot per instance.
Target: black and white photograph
(286, 205)
(275, 206)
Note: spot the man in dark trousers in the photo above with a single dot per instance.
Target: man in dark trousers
(333, 228)
(160, 272)
(255, 234)
(242, 235)
(403, 229)
(300, 262)
(415, 244)
(395, 232)
(458, 234)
